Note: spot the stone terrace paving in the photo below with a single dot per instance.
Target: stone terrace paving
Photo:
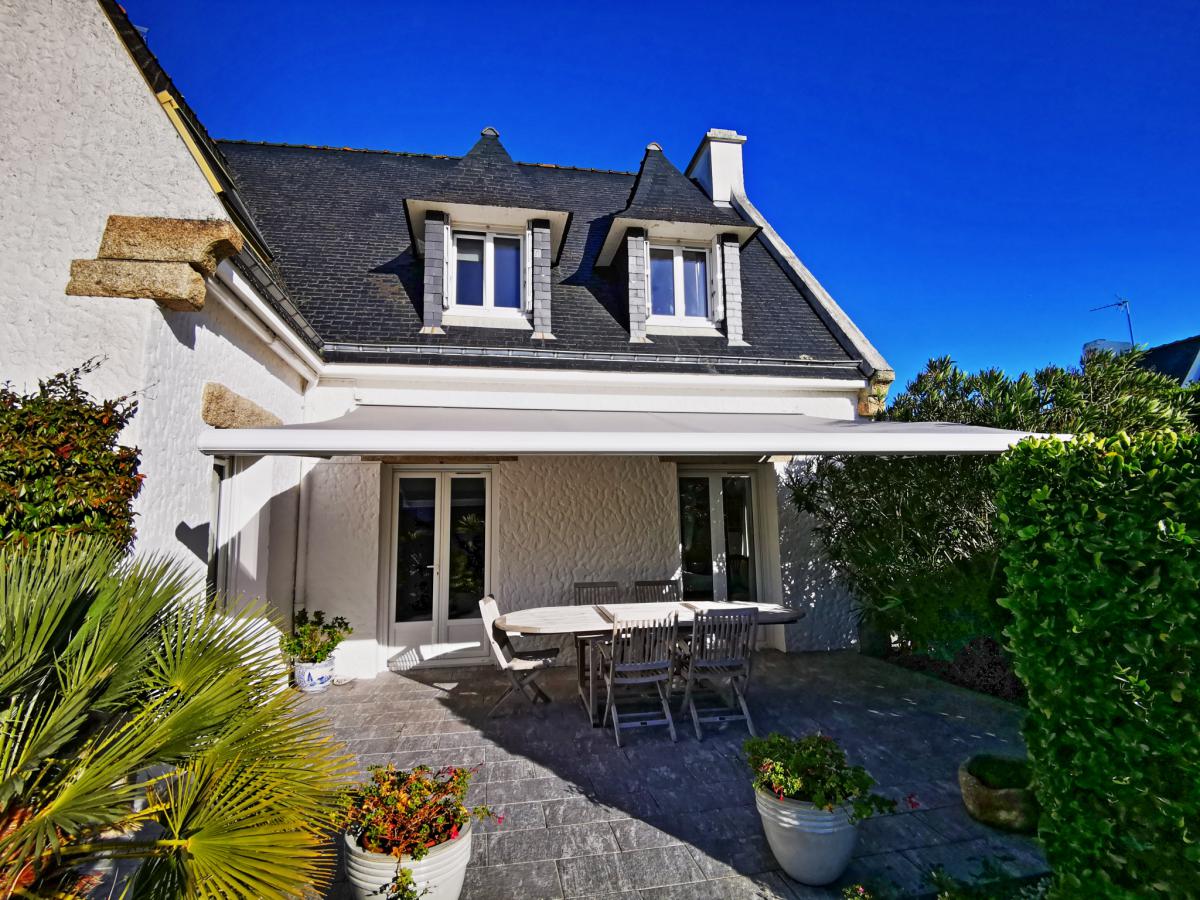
(663, 821)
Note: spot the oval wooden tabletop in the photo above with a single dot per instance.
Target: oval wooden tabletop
(595, 619)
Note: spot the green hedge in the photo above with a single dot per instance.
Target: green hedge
(61, 468)
(1103, 569)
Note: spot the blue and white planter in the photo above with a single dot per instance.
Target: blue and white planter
(313, 678)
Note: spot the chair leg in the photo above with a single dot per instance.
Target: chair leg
(540, 694)
(616, 717)
(662, 695)
(741, 698)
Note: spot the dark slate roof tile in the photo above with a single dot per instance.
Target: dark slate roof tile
(337, 220)
(663, 193)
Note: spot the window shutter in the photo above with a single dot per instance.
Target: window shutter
(447, 269)
(716, 282)
(527, 259)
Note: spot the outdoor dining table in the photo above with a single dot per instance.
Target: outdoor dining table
(589, 624)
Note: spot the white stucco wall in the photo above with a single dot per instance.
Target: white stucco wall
(82, 137)
(582, 518)
(809, 582)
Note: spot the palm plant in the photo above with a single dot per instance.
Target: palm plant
(142, 723)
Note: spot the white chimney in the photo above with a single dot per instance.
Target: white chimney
(717, 164)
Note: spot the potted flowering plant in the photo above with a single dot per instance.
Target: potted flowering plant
(310, 649)
(408, 834)
(810, 801)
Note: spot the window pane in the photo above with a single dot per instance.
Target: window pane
(507, 270)
(468, 551)
(415, 549)
(739, 537)
(695, 538)
(662, 282)
(468, 289)
(695, 283)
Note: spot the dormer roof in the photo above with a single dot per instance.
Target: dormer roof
(486, 187)
(667, 205)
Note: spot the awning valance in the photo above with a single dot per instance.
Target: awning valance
(437, 430)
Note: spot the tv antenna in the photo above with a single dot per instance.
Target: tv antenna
(1122, 304)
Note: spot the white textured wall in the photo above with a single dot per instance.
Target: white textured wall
(809, 582)
(582, 518)
(342, 561)
(81, 137)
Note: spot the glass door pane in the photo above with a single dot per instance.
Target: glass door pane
(416, 542)
(739, 537)
(467, 546)
(695, 538)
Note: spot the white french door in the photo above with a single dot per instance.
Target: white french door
(440, 565)
(716, 535)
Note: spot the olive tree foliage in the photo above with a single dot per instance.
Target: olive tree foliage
(915, 537)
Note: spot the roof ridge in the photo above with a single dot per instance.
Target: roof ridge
(408, 153)
(1173, 343)
(293, 146)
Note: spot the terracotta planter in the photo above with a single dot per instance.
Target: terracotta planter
(439, 876)
(1013, 809)
(313, 678)
(811, 845)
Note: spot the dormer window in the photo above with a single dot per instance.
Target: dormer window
(487, 272)
(679, 288)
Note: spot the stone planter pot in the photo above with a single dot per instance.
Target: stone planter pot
(439, 876)
(1013, 809)
(313, 678)
(811, 845)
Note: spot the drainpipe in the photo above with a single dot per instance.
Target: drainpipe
(261, 331)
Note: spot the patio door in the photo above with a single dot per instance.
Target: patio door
(716, 536)
(440, 566)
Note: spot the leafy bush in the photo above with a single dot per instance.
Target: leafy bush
(61, 468)
(813, 769)
(313, 640)
(408, 814)
(142, 723)
(1103, 573)
(915, 537)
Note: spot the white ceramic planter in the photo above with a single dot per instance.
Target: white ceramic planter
(440, 873)
(313, 678)
(810, 844)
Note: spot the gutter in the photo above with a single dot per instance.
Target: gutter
(253, 319)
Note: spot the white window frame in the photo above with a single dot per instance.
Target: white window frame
(680, 319)
(489, 236)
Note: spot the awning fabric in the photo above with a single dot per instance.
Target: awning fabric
(419, 430)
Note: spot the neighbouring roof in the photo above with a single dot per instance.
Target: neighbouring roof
(337, 220)
(1176, 360)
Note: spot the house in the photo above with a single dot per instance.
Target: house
(382, 384)
(1178, 359)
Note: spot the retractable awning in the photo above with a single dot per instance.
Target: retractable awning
(390, 430)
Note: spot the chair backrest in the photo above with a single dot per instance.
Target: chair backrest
(656, 592)
(639, 645)
(501, 647)
(723, 637)
(597, 593)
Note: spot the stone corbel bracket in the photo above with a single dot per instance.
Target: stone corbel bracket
(165, 260)
(873, 398)
(222, 408)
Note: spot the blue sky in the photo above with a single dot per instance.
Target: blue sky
(965, 178)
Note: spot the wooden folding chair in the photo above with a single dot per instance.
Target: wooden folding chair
(719, 655)
(521, 666)
(641, 653)
(656, 592)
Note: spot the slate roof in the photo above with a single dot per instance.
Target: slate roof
(337, 222)
(488, 176)
(1174, 359)
(663, 193)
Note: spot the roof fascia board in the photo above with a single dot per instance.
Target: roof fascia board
(834, 317)
(551, 379)
(231, 278)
